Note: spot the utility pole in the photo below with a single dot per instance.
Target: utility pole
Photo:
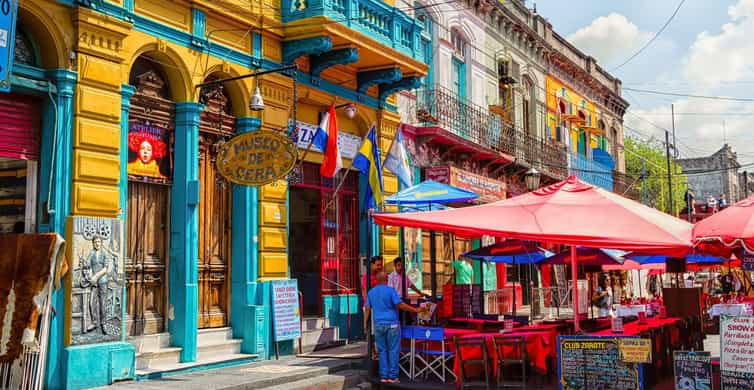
(670, 177)
(644, 181)
(672, 121)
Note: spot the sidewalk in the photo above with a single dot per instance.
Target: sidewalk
(288, 373)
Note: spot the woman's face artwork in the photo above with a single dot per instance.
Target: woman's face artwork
(145, 152)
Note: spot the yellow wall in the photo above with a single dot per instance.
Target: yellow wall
(554, 89)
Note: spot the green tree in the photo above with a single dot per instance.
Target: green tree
(647, 157)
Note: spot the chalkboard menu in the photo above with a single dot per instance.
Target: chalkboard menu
(736, 352)
(693, 370)
(594, 363)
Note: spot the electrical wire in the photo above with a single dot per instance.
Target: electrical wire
(664, 93)
(657, 34)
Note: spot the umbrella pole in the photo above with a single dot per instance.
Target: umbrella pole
(481, 287)
(575, 292)
(433, 264)
(515, 265)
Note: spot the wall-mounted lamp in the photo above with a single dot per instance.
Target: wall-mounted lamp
(257, 103)
(349, 108)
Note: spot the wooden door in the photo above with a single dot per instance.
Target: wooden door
(146, 258)
(214, 238)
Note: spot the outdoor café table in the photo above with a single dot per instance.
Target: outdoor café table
(478, 323)
(539, 347)
(630, 310)
(634, 328)
(736, 309)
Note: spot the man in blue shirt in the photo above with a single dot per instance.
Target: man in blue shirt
(382, 305)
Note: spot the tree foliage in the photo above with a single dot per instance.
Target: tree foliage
(646, 161)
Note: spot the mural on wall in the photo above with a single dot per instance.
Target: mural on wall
(149, 157)
(98, 280)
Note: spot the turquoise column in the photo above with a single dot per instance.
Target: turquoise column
(245, 256)
(55, 180)
(126, 92)
(184, 231)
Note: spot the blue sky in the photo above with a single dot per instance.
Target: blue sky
(708, 49)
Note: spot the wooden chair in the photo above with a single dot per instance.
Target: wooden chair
(472, 342)
(518, 357)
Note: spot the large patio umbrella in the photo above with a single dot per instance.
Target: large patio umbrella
(570, 212)
(587, 256)
(514, 252)
(731, 228)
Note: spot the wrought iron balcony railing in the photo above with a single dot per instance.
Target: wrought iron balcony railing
(441, 108)
(373, 18)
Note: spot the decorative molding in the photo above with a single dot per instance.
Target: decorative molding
(380, 76)
(405, 83)
(100, 35)
(307, 46)
(198, 27)
(325, 60)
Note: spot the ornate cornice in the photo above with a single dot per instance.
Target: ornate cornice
(100, 35)
(380, 76)
(319, 63)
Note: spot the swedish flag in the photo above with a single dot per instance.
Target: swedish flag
(367, 161)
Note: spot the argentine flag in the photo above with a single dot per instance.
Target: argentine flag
(397, 160)
(326, 139)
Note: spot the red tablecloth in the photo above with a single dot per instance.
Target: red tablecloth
(539, 347)
(634, 328)
(479, 324)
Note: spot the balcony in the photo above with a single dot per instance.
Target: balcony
(374, 19)
(439, 112)
(592, 171)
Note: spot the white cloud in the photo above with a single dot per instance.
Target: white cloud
(609, 38)
(726, 56)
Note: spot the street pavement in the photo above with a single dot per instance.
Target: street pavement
(288, 374)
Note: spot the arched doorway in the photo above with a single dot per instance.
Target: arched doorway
(150, 166)
(214, 209)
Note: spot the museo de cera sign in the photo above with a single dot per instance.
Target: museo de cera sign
(256, 158)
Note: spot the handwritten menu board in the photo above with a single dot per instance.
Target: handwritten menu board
(594, 363)
(285, 310)
(693, 370)
(736, 352)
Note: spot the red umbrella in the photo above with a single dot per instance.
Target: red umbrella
(733, 227)
(633, 265)
(570, 212)
(585, 256)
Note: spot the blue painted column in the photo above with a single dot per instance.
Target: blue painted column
(245, 255)
(55, 177)
(184, 231)
(126, 92)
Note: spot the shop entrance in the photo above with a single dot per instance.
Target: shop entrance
(323, 236)
(150, 121)
(19, 156)
(214, 237)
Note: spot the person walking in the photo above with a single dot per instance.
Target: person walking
(382, 307)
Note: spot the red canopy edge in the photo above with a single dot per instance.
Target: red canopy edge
(391, 219)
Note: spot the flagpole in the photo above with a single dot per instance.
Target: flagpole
(343, 180)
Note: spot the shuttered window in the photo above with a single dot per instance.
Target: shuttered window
(20, 121)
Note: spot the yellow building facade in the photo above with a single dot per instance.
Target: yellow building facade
(196, 253)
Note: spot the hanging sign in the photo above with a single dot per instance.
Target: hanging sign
(747, 261)
(693, 370)
(256, 158)
(8, 10)
(736, 352)
(286, 316)
(489, 190)
(149, 148)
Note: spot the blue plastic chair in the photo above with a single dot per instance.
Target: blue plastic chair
(406, 360)
(435, 362)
